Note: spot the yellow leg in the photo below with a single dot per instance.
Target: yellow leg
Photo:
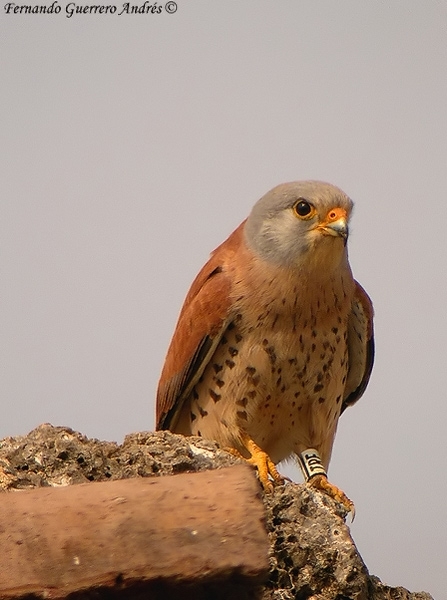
(320, 482)
(315, 476)
(267, 471)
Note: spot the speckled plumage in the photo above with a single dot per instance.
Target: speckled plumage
(275, 337)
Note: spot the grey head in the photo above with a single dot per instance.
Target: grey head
(300, 223)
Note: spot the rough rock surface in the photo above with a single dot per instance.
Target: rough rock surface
(312, 556)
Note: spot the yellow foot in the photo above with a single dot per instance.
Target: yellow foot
(267, 471)
(320, 482)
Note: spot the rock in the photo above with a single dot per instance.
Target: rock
(312, 555)
(51, 456)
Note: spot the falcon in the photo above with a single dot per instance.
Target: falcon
(275, 338)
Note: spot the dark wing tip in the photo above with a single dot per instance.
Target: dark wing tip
(177, 385)
(358, 392)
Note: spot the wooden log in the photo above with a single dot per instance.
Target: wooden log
(194, 535)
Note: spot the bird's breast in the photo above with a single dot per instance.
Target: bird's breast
(279, 370)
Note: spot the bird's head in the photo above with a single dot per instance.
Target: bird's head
(300, 224)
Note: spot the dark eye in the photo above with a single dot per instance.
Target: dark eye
(303, 208)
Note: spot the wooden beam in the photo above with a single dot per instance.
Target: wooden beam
(178, 536)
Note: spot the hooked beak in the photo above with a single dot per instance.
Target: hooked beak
(336, 224)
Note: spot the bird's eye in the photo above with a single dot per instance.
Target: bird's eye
(303, 208)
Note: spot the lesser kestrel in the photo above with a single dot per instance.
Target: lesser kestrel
(275, 338)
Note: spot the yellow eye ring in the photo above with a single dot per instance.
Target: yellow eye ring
(303, 209)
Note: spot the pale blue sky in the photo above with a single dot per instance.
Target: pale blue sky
(133, 145)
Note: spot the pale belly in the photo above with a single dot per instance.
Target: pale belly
(282, 388)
